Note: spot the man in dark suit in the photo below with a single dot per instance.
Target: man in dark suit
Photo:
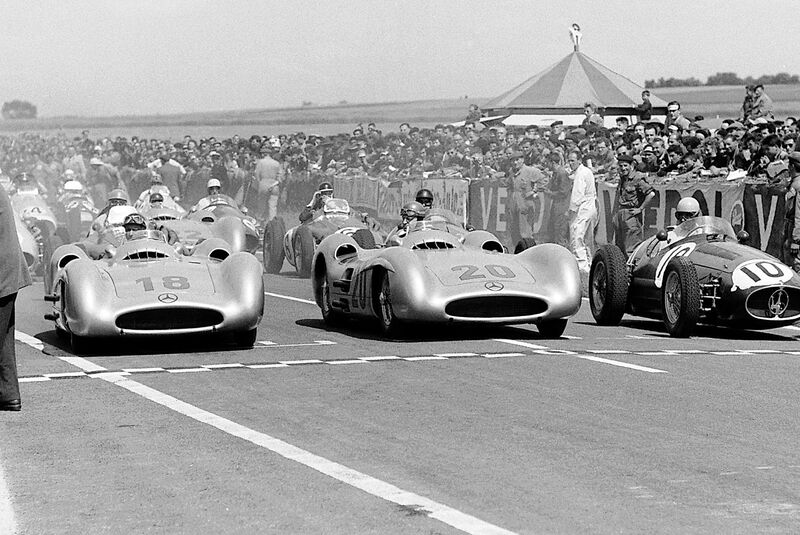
(13, 276)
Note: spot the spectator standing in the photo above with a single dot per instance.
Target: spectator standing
(526, 184)
(762, 104)
(675, 117)
(269, 174)
(747, 103)
(560, 190)
(634, 195)
(14, 275)
(592, 117)
(645, 110)
(171, 175)
(582, 209)
(74, 161)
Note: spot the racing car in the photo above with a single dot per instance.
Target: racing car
(201, 226)
(33, 210)
(299, 243)
(219, 207)
(147, 289)
(698, 272)
(439, 274)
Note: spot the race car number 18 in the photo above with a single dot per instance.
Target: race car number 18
(170, 283)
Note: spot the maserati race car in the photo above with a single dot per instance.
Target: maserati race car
(439, 274)
(299, 243)
(698, 272)
(147, 289)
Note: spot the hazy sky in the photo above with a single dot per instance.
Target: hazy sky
(115, 57)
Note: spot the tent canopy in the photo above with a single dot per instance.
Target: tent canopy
(568, 85)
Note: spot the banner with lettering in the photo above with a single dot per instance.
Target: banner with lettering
(764, 209)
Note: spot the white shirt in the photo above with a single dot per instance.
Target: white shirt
(584, 191)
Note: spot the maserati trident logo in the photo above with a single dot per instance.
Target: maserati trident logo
(778, 302)
(494, 286)
(167, 298)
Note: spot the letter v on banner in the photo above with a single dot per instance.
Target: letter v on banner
(765, 230)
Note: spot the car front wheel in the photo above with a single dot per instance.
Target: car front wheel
(680, 302)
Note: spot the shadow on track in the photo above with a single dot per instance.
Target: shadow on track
(125, 346)
(369, 330)
(655, 328)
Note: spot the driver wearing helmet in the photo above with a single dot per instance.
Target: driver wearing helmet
(116, 197)
(323, 193)
(157, 186)
(411, 211)
(687, 208)
(214, 188)
(425, 198)
(102, 240)
(134, 222)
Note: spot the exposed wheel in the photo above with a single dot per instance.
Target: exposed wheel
(329, 314)
(680, 299)
(245, 339)
(50, 246)
(552, 328)
(389, 323)
(303, 251)
(524, 243)
(273, 245)
(608, 285)
(364, 238)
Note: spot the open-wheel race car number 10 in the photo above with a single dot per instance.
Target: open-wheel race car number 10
(170, 283)
(759, 273)
(470, 272)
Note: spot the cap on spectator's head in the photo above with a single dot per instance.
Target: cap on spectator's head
(517, 154)
(95, 161)
(627, 158)
(648, 148)
(673, 127)
(578, 131)
(214, 154)
(556, 123)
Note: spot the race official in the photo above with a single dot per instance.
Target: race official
(527, 182)
(634, 195)
(582, 209)
(14, 275)
(269, 174)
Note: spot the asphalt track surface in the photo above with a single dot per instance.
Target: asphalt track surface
(455, 430)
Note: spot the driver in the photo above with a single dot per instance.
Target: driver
(425, 198)
(133, 222)
(214, 188)
(323, 193)
(116, 197)
(411, 211)
(157, 186)
(687, 208)
(103, 239)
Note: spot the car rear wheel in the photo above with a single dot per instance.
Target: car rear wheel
(552, 328)
(273, 245)
(523, 244)
(364, 238)
(608, 285)
(303, 251)
(389, 323)
(680, 299)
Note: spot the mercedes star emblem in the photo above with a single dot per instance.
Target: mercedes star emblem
(494, 286)
(167, 298)
(778, 302)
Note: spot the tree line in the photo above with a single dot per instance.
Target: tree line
(18, 109)
(725, 78)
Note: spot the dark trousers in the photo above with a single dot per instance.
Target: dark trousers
(9, 385)
(627, 230)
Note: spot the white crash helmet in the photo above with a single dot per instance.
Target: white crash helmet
(687, 208)
(73, 186)
(213, 183)
(117, 214)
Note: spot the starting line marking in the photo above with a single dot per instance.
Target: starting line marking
(290, 298)
(359, 480)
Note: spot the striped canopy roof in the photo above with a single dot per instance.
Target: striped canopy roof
(569, 84)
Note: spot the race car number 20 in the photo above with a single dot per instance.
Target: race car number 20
(170, 283)
(469, 272)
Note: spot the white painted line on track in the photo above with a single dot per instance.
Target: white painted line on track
(28, 340)
(139, 370)
(426, 357)
(350, 361)
(270, 345)
(33, 379)
(263, 366)
(621, 364)
(501, 355)
(8, 521)
(221, 366)
(82, 363)
(387, 357)
(519, 343)
(188, 370)
(375, 487)
(290, 298)
(455, 355)
(608, 351)
(306, 361)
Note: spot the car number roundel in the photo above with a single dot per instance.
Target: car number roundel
(759, 272)
(681, 250)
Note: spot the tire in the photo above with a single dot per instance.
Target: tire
(552, 328)
(608, 285)
(364, 238)
(389, 323)
(523, 244)
(680, 298)
(329, 315)
(273, 245)
(50, 246)
(303, 251)
(245, 339)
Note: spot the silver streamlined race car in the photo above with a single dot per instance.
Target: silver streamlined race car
(220, 207)
(699, 272)
(299, 243)
(203, 225)
(439, 274)
(148, 289)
